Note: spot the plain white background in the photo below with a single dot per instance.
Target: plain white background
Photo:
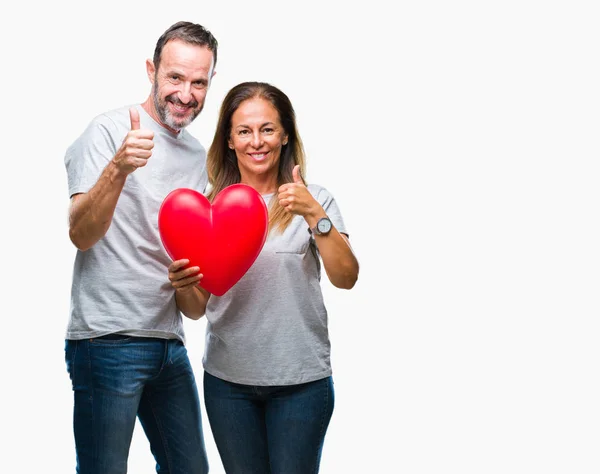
(461, 142)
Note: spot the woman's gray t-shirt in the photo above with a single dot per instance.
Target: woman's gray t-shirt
(270, 328)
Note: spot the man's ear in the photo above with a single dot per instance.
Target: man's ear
(150, 70)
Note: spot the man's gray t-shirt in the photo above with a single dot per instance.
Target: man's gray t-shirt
(121, 283)
(270, 328)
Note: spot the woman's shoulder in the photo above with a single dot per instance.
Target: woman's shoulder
(319, 192)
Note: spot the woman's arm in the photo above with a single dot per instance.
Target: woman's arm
(190, 298)
(338, 257)
(336, 252)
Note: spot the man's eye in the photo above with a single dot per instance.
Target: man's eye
(174, 78)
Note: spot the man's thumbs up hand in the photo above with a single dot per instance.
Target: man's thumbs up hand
(134, 117)
(136, 147)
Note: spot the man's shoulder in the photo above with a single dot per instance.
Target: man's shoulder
(118, 116)
(112, 125)
(107, 126)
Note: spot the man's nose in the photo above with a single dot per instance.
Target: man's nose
(185, 93)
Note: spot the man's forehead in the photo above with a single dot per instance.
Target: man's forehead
(186, 57)
(178, 48)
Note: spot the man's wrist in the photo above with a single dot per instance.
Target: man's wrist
(115, 173)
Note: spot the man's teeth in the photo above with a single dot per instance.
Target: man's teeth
(180, 107)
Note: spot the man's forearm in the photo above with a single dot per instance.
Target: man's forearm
(91, 213)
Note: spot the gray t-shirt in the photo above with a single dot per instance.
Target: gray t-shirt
(121, 283)
(270, 328)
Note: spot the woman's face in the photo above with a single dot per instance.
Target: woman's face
(257, 137)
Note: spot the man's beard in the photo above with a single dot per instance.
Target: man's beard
(165, 115)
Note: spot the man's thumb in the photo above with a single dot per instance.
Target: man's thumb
(134, 115)
(296, 175)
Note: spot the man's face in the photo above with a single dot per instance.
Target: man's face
(181, 82)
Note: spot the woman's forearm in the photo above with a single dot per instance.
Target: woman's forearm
(192, 302)
(338, 258)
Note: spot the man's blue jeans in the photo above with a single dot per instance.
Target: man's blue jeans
(116, 378)
(269, 430)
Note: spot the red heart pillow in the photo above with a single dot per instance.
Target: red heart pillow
(223, 239)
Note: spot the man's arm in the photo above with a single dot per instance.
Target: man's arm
(91, 213)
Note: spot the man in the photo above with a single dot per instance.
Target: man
(125, 349)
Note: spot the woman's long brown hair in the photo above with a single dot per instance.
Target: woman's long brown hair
(222, 163)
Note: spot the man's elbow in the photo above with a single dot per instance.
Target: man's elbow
(79, 242)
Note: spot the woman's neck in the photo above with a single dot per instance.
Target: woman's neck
(262, 186)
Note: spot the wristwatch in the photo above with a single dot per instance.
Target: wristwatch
(322, 228)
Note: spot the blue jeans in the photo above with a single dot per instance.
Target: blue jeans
(269, 430)
(116, 378)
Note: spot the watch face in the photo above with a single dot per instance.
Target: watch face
(324, 226)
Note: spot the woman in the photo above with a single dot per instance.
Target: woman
(267, 385)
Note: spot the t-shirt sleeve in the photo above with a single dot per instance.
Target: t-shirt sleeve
(87, 157)
(332, 209)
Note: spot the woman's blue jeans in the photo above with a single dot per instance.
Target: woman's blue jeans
(269, 430)
(118, 378)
